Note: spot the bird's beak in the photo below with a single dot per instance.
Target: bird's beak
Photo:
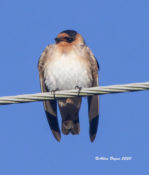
(58, 40)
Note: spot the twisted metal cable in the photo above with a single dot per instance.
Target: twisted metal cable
(100, 90)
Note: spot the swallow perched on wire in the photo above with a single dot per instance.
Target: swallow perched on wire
(65, 65)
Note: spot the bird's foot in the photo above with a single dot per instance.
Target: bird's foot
(79, 89)
(53, 92)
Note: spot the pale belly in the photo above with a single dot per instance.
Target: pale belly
(67, 72)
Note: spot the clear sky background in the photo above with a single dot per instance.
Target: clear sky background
(117, 31)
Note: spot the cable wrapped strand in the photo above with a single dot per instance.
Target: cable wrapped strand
(100, 90)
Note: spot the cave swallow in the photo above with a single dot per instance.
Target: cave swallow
(69, 64)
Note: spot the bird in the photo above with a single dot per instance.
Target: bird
(69, 64)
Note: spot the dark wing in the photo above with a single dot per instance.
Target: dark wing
(93, 101)
(51, 105)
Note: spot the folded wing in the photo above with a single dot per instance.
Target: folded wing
(93, 101)
(50, 106)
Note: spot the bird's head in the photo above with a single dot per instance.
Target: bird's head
(69, 37)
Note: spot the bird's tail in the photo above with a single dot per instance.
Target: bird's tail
(71, 126)
(69, 109)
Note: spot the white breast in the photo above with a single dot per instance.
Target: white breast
(66, 72)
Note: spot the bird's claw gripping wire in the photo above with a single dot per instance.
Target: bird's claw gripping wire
(53, 92)
(79, 89)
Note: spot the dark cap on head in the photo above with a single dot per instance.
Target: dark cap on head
(66, 36)
(71, 33)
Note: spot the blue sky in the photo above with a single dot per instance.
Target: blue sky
(118, 33)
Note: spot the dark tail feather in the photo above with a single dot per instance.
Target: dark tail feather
(71, 126)
(69, 109)
(76, 127)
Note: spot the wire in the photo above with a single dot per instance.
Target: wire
(100, 90)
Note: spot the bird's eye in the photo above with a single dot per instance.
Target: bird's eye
(69, 39)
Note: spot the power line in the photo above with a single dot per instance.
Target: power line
(100, 90)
